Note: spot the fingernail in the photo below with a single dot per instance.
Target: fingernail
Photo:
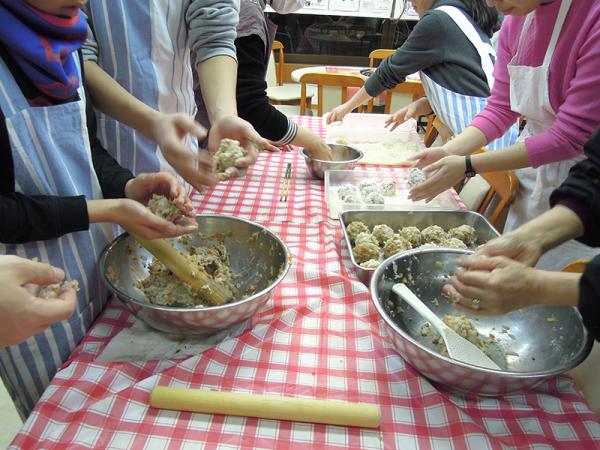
(58, 273)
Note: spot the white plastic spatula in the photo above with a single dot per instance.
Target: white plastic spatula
(459, 348)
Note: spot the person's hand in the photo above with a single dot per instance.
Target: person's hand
(415, 109)
(22, 313)
(136, 218)
(428, 156)
(494, 285)
(233, 127)
(144, 186)
(132, 214)
(337, 114)
(170, 133)
(321, 151)
(516, 246)
(441, 175)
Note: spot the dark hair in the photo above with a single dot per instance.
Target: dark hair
(484, 16)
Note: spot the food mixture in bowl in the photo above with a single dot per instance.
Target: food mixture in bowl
(464, 327)
(163, 288)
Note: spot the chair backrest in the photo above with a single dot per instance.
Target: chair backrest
(577, 266)
(327, 79)
(504, 186)
(278, 47)
(271, 75)
(379, 54)
(435, 128)
(412, 88)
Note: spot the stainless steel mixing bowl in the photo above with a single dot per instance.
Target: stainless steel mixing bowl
(532, 344)
(344, 158)
(258, 258)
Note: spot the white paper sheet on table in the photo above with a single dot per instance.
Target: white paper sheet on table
(143, 343)
(379, 145)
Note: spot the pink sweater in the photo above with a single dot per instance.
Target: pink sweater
(574, 81)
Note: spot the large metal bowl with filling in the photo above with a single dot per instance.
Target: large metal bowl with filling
(531, 345)
(259, 260)
(344, 158)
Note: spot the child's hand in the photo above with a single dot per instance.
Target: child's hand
(142, 187)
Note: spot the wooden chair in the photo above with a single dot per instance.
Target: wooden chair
(435, 128)
(278, 48)
(577, 266)
(413, 88)
(278, 92)
(504, 186)
(326, 79)
(378, 55)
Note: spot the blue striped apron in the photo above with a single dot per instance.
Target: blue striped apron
(455, 110)
(144, 45)
(52, 156)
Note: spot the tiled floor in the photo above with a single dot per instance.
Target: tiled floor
(10, 423)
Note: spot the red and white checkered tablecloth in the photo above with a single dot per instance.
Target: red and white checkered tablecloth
(256, 196)
(318, 337)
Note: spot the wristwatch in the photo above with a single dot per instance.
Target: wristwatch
(469, 171)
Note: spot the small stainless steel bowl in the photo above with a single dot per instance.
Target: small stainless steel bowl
(532, 344)
(344, 158)
(258, 257)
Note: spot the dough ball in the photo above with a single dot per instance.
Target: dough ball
(395, 245)
(382, 233)
(434, 234)
(354, 228)
(411, 234)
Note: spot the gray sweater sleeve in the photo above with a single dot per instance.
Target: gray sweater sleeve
(89, 49)
(421, 49)
(212, 25)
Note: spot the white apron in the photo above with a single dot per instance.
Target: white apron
(144, 45)
(455, 110)
(52, 156)
(529, 96)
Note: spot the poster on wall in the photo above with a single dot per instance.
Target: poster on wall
(358, 8)
(317, 5)
(384, 6)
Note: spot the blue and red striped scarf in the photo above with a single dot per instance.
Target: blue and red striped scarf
(42, 46)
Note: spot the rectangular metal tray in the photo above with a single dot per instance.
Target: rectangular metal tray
(421, 219)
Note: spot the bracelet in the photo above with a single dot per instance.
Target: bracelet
(469, 171)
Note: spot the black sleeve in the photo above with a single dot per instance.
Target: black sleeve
(423, 48)
(39, 218)
(581, 191)
(251, 92)
(589, 297)
(111, 176)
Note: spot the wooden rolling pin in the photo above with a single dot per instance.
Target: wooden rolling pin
(266, 407)
(200, 281)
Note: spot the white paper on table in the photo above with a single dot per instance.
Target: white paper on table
(143, 343)
(379, 145)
